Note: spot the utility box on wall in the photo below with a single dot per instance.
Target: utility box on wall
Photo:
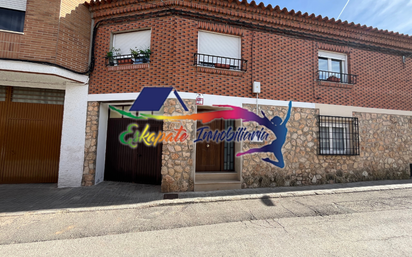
(256, 87)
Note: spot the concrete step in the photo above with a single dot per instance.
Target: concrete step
(213, 185)
(202, 176)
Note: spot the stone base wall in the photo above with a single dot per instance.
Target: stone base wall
(385, 152)
(178, 158)
(90, 148)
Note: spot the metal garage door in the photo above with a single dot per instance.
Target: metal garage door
(30, 133)
(140, 165)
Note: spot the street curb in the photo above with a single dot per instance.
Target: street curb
(215, 199)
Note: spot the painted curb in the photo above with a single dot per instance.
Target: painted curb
(212, 199)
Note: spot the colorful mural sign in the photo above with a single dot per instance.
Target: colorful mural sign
(152, 99)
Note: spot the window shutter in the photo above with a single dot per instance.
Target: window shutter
(131, 40)
(19, 5)
(219, 45)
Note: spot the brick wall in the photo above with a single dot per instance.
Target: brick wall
(286, 66)
(54, 31)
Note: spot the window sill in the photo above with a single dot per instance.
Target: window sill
(11, 31)
(335, 84)
(128, 67)
(219, 71)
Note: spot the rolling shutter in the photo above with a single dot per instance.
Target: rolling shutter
(219, 45)
(132, 40)
(19, 5)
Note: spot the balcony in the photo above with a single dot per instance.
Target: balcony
(212, 61)
(127, 59)
(336, 77)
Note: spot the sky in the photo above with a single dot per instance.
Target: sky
(391, 15)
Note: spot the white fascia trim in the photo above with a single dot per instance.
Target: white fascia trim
(208, 99)
(21, 66)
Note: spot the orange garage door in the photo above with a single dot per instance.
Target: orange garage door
(30, 133)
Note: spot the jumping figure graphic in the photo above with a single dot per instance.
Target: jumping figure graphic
(278, 127)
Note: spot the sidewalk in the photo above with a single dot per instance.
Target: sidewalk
(113, 195)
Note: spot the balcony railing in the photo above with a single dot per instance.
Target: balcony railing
(336, 77)
(220, 62)
(127, 59)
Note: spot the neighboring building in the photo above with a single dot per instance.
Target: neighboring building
(350, 86)
(44, 62)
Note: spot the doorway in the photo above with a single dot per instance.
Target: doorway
(139, 165)
(216, 157)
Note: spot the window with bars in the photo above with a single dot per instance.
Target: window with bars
(229, 149)
(338, 135)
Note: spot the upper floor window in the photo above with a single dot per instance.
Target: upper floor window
(334, 67)
(130, 47)
(219, 51)
(12, 14)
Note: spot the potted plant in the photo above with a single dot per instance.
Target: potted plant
(136, 55)
(110, 56)
(145, 55)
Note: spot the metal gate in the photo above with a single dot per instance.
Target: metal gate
(140, 165)
(30, 134)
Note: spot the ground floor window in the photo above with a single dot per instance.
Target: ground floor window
(338, 135)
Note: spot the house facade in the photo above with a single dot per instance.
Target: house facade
(70, 72)
(350, 87)
(44, 62)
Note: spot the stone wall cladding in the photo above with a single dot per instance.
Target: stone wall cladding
(385, 152)
(90, 148)
(178, 158)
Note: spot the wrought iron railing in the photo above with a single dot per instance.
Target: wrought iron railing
(337, 77)
(127, 59)
(220, 62)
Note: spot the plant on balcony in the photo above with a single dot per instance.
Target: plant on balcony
(136, 55)
(146, 55)
(110, 55)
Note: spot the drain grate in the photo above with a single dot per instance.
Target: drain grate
(170, 196)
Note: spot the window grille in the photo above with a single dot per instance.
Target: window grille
(229, 149)
(338, 135)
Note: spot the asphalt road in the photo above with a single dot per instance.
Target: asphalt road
(376, 223)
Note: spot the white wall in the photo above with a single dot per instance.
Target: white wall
(73, 136)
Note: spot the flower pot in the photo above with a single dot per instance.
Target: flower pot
(333, 79)
(124, 61)
(222, 66)
(137, 60)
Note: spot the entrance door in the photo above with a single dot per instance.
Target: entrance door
(211, 156)
(30, 133)
(140, 165)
